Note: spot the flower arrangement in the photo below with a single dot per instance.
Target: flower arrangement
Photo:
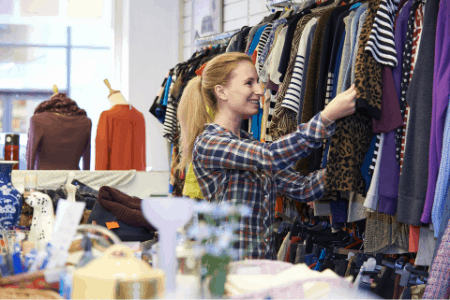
(216, 233)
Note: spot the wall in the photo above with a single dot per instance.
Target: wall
(145, 48)
(236, 13)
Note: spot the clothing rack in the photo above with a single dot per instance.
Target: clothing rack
(281, 3)
(220, 38)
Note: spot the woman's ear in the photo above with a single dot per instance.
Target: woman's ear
(220, 92)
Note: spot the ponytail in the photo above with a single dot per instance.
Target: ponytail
(192, 115)
(198, 95)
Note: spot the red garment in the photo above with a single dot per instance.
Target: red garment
(254, 55)
(120, 141)
(414, 234)
(279, 205)
(294, 239)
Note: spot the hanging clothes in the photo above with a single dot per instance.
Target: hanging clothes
(262, 43)
(312, 78)
(413, 179)
(354, 133)
(390, 168)
(372, 197)
(438, 285)
(355, 31)
(315, 84)
(441, 91)
(293, 99)
(442, 185)
(381, 41)
(279, 127)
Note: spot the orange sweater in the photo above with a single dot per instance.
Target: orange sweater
(120, 141)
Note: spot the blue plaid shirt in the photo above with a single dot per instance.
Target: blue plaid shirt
(245, 171)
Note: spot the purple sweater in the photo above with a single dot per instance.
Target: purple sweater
(389, 168)
(441, 91)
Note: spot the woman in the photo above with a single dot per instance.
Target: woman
(231, 166)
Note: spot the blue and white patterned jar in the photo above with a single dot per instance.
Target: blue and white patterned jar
(10, 198)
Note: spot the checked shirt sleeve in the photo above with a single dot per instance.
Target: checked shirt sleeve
(301, 188)
(216, 152)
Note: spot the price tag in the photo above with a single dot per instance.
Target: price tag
(112, 225)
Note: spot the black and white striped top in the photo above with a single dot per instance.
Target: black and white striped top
(292, 98)
(262, 43)
(381, 42)
(170, 120)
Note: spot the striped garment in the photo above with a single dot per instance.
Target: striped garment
(266, 50)
(170, 120)
(292, 99)
(375, 155)
(262, 43)
(301, 25)
(381, 41)
(418, 24)
(245, 171)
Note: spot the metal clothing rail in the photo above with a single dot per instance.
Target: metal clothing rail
(216, 38)
(282, 3)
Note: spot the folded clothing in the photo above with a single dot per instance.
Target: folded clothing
(125, 208)
(124, 231)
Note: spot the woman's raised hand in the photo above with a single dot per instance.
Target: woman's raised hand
(341, 106)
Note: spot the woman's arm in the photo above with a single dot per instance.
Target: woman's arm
(216, 152)
(301, 188)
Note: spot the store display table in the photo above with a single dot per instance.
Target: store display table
(139, 184)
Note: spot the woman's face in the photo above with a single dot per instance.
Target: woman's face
(243, 91)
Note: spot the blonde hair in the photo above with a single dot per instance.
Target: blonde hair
(200, 93)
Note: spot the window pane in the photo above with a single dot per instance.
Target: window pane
(2, 109)
(77, 9)
(6, 7)
(89, 68)
(30, 8)
(100, 36)
(32, 68)
(22, 111)
(42, 35)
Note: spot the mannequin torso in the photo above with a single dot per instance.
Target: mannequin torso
(117, 99)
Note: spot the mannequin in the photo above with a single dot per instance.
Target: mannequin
(115, 97)
(120, 141)
(59, 135)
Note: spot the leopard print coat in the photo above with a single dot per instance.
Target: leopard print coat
(350, 143)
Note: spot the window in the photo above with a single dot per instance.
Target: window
(34, 58)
